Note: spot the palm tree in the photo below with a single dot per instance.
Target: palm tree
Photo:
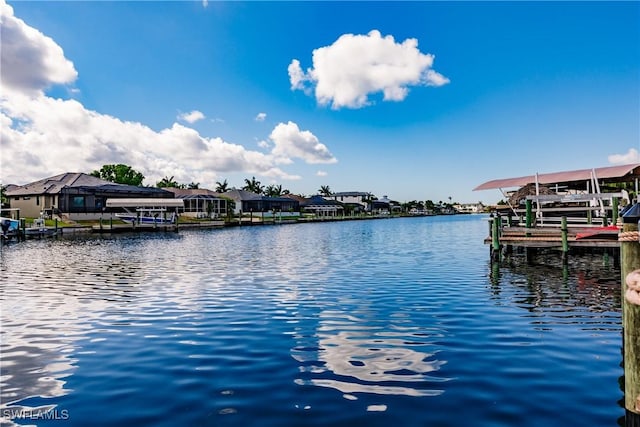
(167, 182)
(273, 190)
(193, 186)
(222, 187)
(325, 190)
(253, 185)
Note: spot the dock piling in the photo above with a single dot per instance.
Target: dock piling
(630, 272)
(529, 214)
(565, 241)
(495, 238)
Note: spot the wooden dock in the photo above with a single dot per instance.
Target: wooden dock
(547, 237)
(564, 238)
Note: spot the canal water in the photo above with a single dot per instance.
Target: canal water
(398, 322)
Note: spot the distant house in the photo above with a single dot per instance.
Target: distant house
(74, 195)
(469, 207)
(246, 202)
(353, 201)
(358, 197)
(385, 206)
(322, 207)
(201, 203)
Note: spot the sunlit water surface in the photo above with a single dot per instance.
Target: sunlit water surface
(386, 322)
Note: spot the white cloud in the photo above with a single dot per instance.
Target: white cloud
(297, 77)
(41, 136)
(631, 156)
(290, 142)
(48, 136)
(30, 61)
(356, 66)
(260, 117)
(205, 3)
(263, 144)
(321, 173)
(191, 117)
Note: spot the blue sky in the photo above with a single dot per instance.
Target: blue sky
(414, 100)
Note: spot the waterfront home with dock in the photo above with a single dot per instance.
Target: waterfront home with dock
(248, 202)
(75, 196)
(321, 207)
(354, 202)
(201, 203)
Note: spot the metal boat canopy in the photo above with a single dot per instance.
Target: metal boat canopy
(611, 173)
(145, 203)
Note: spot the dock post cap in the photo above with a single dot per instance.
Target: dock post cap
(632, 215)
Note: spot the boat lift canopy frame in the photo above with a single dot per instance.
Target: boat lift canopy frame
(145, 204)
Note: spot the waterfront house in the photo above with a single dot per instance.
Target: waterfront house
(322, 207)
(354, 202)
(201, 203)
(469, 207)
(75, 196)
(248, 202)
(384, 206)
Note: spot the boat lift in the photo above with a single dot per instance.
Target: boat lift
(146, 210)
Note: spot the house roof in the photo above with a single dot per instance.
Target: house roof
(81, 181)
(54, 184)
(351, 194)
(194, 193)
(616, 173)
(295, 197)
(236, 194)
(320, 201)
(246, 196)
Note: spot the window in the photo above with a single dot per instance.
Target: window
(77, 202)
(37, 200)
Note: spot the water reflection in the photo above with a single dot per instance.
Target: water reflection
(305, 326)
(38, 340)
(51, 303)
(588, 282)
(357, 355)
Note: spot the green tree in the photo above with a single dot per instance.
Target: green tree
(253, 185)
(273, 190)
(222, 187)
(168, 182)
(193, 186)
(325, 190)
(4, 200)
(121, 174)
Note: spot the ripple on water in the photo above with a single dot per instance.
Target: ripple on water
(362, 322)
